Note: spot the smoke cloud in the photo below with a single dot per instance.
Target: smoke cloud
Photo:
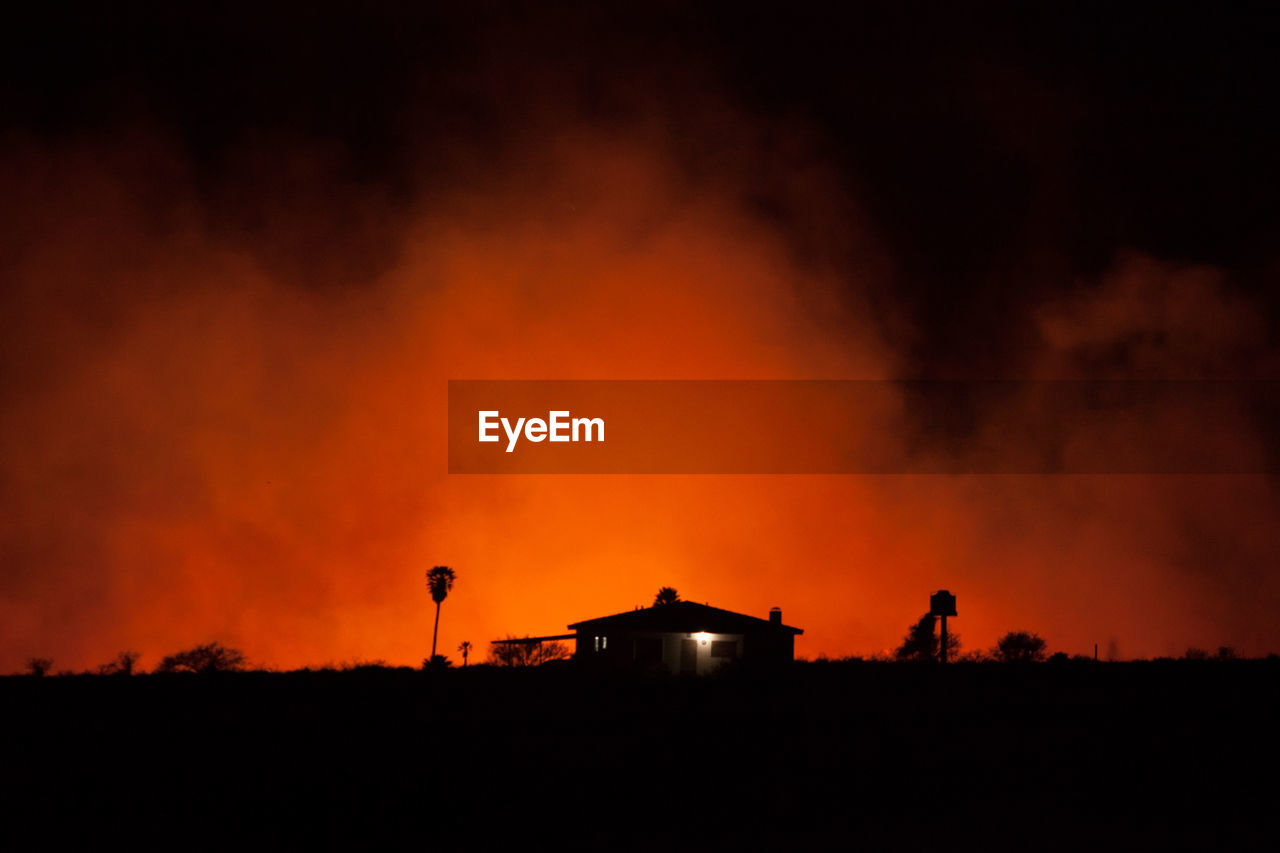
(223, 406)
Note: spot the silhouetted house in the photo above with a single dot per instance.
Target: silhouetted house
(685, 637)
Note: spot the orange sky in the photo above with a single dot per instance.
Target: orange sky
(201, 445)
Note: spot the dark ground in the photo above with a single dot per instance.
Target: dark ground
(823, 755)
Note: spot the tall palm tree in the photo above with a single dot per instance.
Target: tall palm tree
(439, 581)
(666, 595)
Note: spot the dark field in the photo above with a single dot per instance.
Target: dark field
(820, 756)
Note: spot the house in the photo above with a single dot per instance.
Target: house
(685, 637)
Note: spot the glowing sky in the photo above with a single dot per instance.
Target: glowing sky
(222, 413)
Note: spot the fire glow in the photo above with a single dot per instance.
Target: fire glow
(200, 445)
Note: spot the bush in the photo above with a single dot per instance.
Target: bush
(39, 666)
(527, 652)
(1020, 647)
(211, 657)
(923, 644)
(124, 664)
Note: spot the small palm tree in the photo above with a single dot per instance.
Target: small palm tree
(666, 595)
(465, 648)
(439, 581)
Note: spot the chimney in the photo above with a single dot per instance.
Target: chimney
(775, 616)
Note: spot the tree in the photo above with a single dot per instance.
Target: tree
(122, 665)
(522, 651)
(211, 657)
(465, 649)
(438, 662)
(39, 666)
(1020, 647)
(666, 595)
(439, 580)
(921, 642)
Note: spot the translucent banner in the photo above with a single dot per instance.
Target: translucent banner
(863, 427)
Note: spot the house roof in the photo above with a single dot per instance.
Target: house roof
(683, 617)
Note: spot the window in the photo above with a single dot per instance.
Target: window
(602, 643)
(724, 648)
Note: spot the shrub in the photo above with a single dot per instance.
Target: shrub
(211, 657)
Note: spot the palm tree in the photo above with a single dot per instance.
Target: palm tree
(666, 595)
(439, 581)
(465, 648)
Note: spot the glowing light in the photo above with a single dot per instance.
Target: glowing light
(702, 637)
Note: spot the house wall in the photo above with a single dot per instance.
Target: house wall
(621, 647)
(706, 663)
